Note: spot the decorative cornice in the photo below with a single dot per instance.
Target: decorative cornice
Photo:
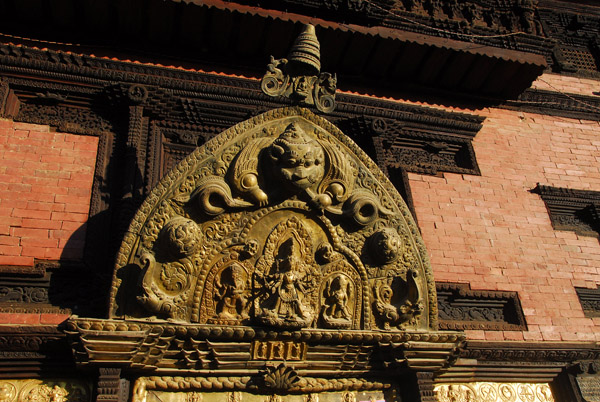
(48, 287)
(32, 351)
(463, 308)
(552, 103)
(569, 209)
(203, 348)
(557, 352)
(590, 301)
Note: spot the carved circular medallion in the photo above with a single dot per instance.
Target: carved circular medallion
(180, 237)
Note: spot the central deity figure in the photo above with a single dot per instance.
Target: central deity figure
(287, 286)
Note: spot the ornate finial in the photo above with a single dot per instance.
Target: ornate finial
(298, 77)
(306, 51)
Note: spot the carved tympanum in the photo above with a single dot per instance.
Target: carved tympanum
(281, 221)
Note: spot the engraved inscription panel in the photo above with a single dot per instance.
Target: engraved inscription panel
(278, 350)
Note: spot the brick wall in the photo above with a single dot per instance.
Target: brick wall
(45, 189)
(564, 83)
(493, 233)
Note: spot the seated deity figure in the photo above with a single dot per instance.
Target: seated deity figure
(231, 293)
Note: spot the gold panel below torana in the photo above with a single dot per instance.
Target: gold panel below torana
(345, 396)
(55, 390)
(493, 392)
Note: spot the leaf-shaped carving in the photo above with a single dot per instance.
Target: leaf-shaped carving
(281, 378)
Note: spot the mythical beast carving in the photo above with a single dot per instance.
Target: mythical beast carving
(282, 222)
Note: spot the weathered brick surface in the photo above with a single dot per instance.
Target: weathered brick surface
(563, 83)
(45, 187)
(493, 233)
(33, 318)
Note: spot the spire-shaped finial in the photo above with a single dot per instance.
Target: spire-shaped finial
(298, 77)
(306, 50)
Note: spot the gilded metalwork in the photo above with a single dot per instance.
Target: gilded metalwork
(51, 390)
(298, 76)
(347, 396)
(278, 350)
(493, 392)
(284, 225)
(275, 258)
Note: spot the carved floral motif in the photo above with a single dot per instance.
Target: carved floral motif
(44, 391)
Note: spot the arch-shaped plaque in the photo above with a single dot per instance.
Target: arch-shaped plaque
(280, 221)
(275, 259)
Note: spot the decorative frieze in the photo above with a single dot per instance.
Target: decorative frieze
(576, 32)
(48, 287)
(570, 209)
(462, 308)
(45, 390)
(493, 392)
(386, 395)
(590, 301)
(572, 106)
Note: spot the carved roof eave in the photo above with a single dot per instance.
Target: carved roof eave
(504, 71)
(143, 346)
(496, 67)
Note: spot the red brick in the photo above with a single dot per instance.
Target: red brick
(72, 199)
(10, 250)
(36, 252)
(53, 174)
(40, 206)
(9, 240)
(31, 213)
(69, 216)
(31, 127)
(53, 319)
(51, 189)
(41, 224)
(84, 184)
(34, 242)
(71, 226)
(15, 260)
(78, 208)
(29, 232)
(44, 181)
(19, 318)
(18, 187)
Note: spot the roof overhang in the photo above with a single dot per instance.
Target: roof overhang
(236, 38)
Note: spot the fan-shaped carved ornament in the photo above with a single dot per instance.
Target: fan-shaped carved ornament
(283, 222)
